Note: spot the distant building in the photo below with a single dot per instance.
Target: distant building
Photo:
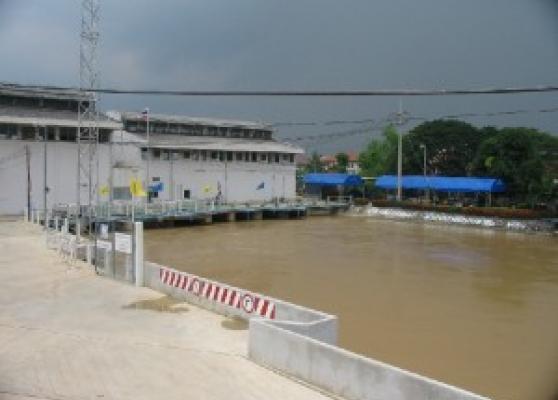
(329, 162)
(195, 158)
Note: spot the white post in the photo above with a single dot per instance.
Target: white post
(89, 254)
(138, 253)
(56, 223)
(66, 227)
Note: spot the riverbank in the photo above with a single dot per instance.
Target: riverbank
(66, 333)
(508, 224)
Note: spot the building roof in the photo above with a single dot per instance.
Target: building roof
(443, 183)
(333, 179)
(44, 92)
(49, 117)
(166, 141)
(181, 119)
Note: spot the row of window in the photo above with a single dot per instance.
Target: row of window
(211, 155)
(195, 130)
(34, 102)
(63, 134)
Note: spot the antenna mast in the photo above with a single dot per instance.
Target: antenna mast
(87, 137)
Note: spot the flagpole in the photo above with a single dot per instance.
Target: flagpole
(148, 177)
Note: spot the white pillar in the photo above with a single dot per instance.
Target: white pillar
(138, 253)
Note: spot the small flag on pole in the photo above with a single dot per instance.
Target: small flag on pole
(136, 188)
(145, 114)
(260, 186)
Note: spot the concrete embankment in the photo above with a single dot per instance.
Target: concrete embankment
(517, 225)
(66, 333)
(301, 342)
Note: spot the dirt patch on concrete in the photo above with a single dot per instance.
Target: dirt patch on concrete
(161, 304)
(235, 324)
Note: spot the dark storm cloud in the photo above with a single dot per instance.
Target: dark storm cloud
(309, 44)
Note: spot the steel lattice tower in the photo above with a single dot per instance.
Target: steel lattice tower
(87, 137)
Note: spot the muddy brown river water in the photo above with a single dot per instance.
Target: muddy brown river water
(471, 307)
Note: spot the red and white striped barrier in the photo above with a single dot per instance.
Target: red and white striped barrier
(248, 302)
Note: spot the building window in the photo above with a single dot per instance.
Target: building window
(195, 155)
(28, 133)
(186, 155)
(285, 157)
(8, 131)
(254, 157)
(186, 194)
(246, 156)
(203, 155)
(277, 157)
(263, 157)
(68, 134)
(121, 193)
(221, 156)
(239, 156)
(229, 155)
(214, 155)
(291, 158)
(156, 153)
(144, 154)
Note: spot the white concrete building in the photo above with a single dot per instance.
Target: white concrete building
(28, 116)
(196, 158)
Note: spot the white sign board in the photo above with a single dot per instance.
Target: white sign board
(104, 231)
(123, 243)
(103, 244)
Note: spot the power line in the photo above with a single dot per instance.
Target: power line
(288, 124)
(314, 93)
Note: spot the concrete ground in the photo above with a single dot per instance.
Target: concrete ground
(66, 333)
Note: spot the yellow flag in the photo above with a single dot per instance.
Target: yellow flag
(104, 190)
(136, 188)
(207, 189)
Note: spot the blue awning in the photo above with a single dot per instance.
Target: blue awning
(443, 183)
(332, 179)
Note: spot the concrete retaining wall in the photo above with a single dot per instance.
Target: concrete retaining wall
(302, 342)
(455, 219)
(339, 371)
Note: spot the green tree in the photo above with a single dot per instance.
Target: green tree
(342, 162)
(314, 164)
(380, 155)
(451, 147)
(515, 155)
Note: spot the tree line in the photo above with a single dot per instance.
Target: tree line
(525, 159)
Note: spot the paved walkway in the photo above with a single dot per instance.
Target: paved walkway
(66, 333)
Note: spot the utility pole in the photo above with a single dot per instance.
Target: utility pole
(28, 164)
(400, 152)
(45, 183)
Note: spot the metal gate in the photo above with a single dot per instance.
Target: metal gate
(114, 250)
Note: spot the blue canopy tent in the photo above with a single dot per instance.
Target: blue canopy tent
(333, 179)
(317, 183)
(443, 183)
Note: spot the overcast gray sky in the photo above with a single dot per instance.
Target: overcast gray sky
(304, 44)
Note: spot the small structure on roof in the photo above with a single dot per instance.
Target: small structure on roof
(330, 184)
(443, 183)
